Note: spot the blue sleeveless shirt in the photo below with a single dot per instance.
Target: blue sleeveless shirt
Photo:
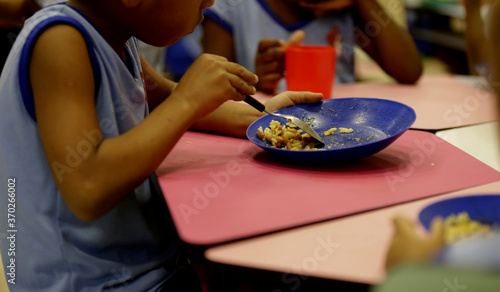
(44, 246)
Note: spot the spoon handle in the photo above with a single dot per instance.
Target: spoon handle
(255, 103)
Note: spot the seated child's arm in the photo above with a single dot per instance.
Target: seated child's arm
(493, 45)
(230, 118)
(475, 38)
(217, 40)
(270, 59)
(158, 87)
(110, 169)
(234, 118)
(390, 45)
(269, 64)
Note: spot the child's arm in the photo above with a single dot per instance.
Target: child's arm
(157, 86)
(270, 59)
(269, 64)
(475, 39)
(493, 45)
(218, 41)
(106, 171)
(234, 118)
(390, 45)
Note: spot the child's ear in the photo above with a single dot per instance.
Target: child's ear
(131, 3)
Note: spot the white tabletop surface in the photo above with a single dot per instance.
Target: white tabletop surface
(481, 141)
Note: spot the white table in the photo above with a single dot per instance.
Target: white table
(481, 141)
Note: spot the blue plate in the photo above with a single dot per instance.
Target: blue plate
(376, 124)
(482, 208)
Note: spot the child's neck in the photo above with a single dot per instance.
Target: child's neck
(108, 29)
(287, 11)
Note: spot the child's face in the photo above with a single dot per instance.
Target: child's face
(164, 22)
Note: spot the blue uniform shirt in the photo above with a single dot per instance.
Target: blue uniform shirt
(47, 247)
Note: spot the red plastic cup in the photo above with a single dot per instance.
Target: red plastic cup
(310, 68)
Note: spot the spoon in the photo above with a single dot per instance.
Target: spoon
(292, 119)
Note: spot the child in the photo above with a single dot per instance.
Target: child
(85, 123)
(252, 33)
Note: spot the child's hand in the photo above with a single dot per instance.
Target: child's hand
(269, 61)
(409, 246)
(269, 64)
(212, 80)
(320, 8)
(290, 98)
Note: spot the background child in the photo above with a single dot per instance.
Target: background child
(85, 123)
(253, 33)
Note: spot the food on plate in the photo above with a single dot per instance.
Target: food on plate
(460, 226)
(341, 131)
(329, 131)
(291, 138)
(345, 130)
(287, 137)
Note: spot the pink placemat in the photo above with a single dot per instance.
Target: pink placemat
(221, 188)
(351, 248)
(440, 101)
